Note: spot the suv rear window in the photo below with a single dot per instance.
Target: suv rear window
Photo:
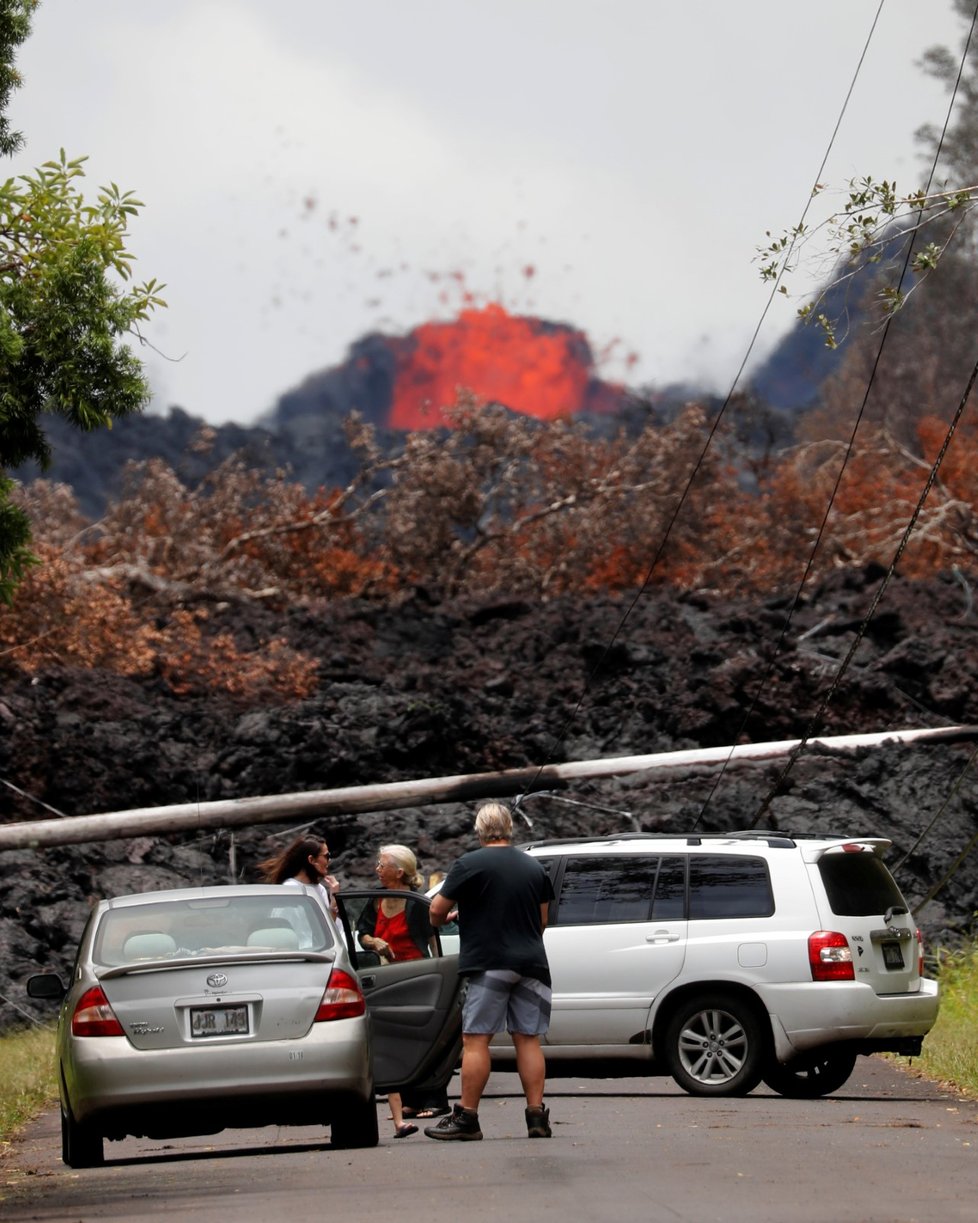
(721, 885)
(858, 885)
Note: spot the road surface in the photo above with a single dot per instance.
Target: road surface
(887, 1147)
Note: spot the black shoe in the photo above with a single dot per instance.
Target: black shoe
(458, 1126)
(537, 1122)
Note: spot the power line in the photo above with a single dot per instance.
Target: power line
(958, 781)
(816, 719)
(33, 798)
(765, 678)
(657, 556)
(955, 866)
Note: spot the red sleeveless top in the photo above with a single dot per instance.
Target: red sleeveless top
(394, 932)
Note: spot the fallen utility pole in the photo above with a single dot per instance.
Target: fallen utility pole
(317, 804)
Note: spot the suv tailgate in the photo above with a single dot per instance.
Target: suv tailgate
(860, 898)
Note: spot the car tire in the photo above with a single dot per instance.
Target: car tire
(355, 1125)
(81, 1145)
(812, 1075)
(715, 1046)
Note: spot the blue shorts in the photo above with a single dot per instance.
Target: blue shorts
(500, 999)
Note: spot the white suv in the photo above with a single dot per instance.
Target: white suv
(726, 959)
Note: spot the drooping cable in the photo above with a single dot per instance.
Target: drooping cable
(521, 799)
(947, 876)
(595, 670)
(766, 676)
(958, 782)
(816, 719)
(33, 798)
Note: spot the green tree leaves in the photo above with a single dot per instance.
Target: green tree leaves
(15, 25)
(68, 307)
(872, 221)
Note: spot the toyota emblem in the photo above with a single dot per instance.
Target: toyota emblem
(217, 979)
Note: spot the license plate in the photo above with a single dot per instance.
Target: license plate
(219, 1021)
(892, 955)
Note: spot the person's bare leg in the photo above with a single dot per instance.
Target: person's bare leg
(531, 1067)
(476, 1064)
(397, 1114)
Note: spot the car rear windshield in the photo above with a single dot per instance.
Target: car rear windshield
(858, 884)
(175, 929)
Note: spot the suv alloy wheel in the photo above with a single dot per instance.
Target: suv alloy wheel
(715, 1046)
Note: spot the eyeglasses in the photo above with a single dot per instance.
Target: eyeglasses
(387, 865)
(324, 853)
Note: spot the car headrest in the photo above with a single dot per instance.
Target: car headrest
(149, 946)
(274, 936)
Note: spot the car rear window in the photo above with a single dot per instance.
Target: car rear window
(858, 884)
(724, 885)
(175, 929)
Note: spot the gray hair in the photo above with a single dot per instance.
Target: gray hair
(493, 822)
(405, 861)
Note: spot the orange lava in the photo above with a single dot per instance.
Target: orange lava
(539, 369)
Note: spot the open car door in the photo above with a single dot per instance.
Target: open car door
(414, 1006)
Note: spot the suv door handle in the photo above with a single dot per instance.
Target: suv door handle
(662, 936)
(368, 982)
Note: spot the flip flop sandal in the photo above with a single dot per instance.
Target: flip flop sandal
(433, 1112)
(405, 1131)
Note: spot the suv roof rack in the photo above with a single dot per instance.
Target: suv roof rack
(775, 839)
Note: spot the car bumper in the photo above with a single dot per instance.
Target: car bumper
(807, 1015)
(106, 1076)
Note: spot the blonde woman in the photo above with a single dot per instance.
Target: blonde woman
(396, 931)
(389, 926)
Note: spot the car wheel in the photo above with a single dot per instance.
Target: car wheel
(715, 1046)
(811, 1075)
(355, 1125)
(81, 1146)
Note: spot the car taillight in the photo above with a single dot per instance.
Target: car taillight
(343, 998)
(920, 954)
(93, 1016)
(830, 956)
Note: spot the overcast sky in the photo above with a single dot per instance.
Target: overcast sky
(316, 169)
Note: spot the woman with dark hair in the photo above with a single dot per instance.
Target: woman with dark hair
(304, 862)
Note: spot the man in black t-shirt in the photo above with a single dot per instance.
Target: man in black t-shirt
(502, 896)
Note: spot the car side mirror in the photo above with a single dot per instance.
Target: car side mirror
(46, 985)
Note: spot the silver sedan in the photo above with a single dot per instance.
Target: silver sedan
(196, 1010)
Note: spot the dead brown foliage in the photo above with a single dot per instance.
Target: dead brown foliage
(498, 504)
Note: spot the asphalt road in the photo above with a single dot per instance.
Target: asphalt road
(887, 1147)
